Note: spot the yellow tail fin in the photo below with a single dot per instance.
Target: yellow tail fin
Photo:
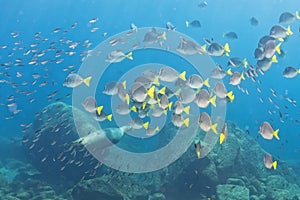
(226, 48)
(203, 47)
(213, 101)
(177, 93)
(157, 128)
(280, 39)
(187, 24)
(162, 90)
(109, 117)
(127, 98)
(274, 59)
(144, 105)
(222, 138)
(214, 128)
(277, 48)
(165, 112)
(146, 125)
(124, 84)
(186, 122)
(274, 164)
(182, 76)
(206, 83)
(229, 72)
(133, 108)
(298, 71)
(99, 109)
(87, 81)
(245, 62)
(275, 133)
(242, 76)
(187, 109)
(297, 15)
(230, 96)
(156, 81)
(289, 31)
(164, 36)
(198, 154)
(129, 56)
(170, 105)
(151, 92)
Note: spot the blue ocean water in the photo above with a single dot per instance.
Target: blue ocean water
(217, 18)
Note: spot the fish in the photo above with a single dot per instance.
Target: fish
(102, 116)
(124, 109)
(112, 88)
(196, 82)
(253, 21)
(188, 47)
(219, 73)
(270, 48)
(269, 163)
(279, 32)
(288, 18)
(137, 123)
(94, 20)
(178, 108)
(230, 35)
(202, 4)
(236, 78)
(118, 56)
(236, 62)
(153, 36)
(221, 92)
(157, 111)
(170, 26)
(267, 132)
(74, 80)
(179, 121)
(168, 74)
(186, 95)
(223, 134)
(205, 123)
(290, 72)
(198, 149)
(133, 27)
(150, 131)
(203, 99)
(266, 63)
(194, 23)
(216, 49)
(90, 105)
(139, 93)
(164, 102)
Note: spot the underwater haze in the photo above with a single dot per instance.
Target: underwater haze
(151, 100)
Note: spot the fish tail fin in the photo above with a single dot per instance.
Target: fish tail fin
(275, 133)
(124, 84)
(229, 72)
(182, 75)
(203, 47)
(129, 56)
(245, 62)
(164, 35)
(150, 92)
(187, 109)
(144, 105)
(298, 71)
(187, 24)
(156, 81)
(109, 117)
(127, 99)
(242, 76)
(274, 164)
(157, 128)
(99, 109)
(214, 128)
(297, 15)
(274, 59)
(206, 83)
(170, 105)
(280, 39)
(186, 122)
(222, 138)
(289, 31)
(213, 101)
(133, 108)
(162, 90)
(227, 54)
(87, 81)
(198, 154)
(165, 112)
(198, 90)
(277, 48)
(177, 93)
(146, 125)
(226, 48)
(230, 96)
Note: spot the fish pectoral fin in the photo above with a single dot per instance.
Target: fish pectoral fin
(87, 80)
(275, 133)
